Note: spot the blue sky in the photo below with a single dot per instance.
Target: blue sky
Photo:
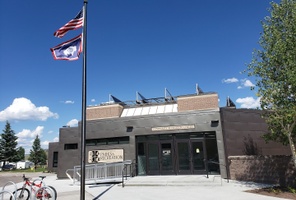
(133, 45)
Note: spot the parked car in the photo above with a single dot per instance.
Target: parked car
(8, 167)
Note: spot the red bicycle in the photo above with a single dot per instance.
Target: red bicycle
(39, 189)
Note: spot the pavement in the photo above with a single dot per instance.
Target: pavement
(181, 187)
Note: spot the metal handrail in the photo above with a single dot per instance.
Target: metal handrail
(132, 170)
(217, 163)
(98, 172)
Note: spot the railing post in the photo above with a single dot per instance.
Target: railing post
(207, 167)
(105, 170)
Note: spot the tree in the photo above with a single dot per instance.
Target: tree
(274, 67)
(8, 143)
(37, 154)
(21, 153)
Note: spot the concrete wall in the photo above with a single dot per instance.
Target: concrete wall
(263, 169)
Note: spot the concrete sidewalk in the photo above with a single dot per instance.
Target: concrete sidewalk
(160, 187)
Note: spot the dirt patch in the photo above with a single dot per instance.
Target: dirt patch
(278, 192)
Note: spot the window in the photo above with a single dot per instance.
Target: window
(55, 159)
(71, 146)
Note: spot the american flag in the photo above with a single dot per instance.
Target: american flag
(73, 24)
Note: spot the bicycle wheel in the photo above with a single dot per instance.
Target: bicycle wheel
(54, 191)
(22, 193)
(46, 193)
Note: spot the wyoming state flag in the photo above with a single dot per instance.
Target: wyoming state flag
(69, 50)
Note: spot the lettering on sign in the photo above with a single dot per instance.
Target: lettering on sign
(105, 156)
(169, 128)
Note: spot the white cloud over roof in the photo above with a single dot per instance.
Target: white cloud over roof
(248, 102)
(23, 109)
(72, 122)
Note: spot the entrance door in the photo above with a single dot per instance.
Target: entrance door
(153, 158)
(166, 154)
(198, 154)
(191, 157)
(183, 157)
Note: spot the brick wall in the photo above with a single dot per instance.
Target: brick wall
(263, 169)
(106, 111)
(198, 102)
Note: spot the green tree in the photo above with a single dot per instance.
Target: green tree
(8, 143)
(274, 67)
(21, 153)
(37, 154)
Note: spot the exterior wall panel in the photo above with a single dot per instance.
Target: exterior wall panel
(52, 147)
(68, 158)
(243, 127)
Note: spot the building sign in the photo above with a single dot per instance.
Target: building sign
(105, 156)
(169, 128)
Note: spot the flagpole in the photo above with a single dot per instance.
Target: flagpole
(83, 121)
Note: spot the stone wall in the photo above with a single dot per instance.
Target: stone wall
(263, 169)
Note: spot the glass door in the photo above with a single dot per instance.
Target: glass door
(153, 158)
(183, 157)
(198, 152)
(166, 158)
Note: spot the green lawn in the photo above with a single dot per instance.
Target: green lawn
(38, 169)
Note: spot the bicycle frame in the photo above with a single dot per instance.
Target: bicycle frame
(34, 187)
(30, 184)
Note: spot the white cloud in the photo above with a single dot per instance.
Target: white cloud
(230, 80)
(69, 102)
(44, 144)
(26, 133)
(249, 102)
(72, 122)
(247, 83)
(23, 109)
(26, 138)
(93, 100)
